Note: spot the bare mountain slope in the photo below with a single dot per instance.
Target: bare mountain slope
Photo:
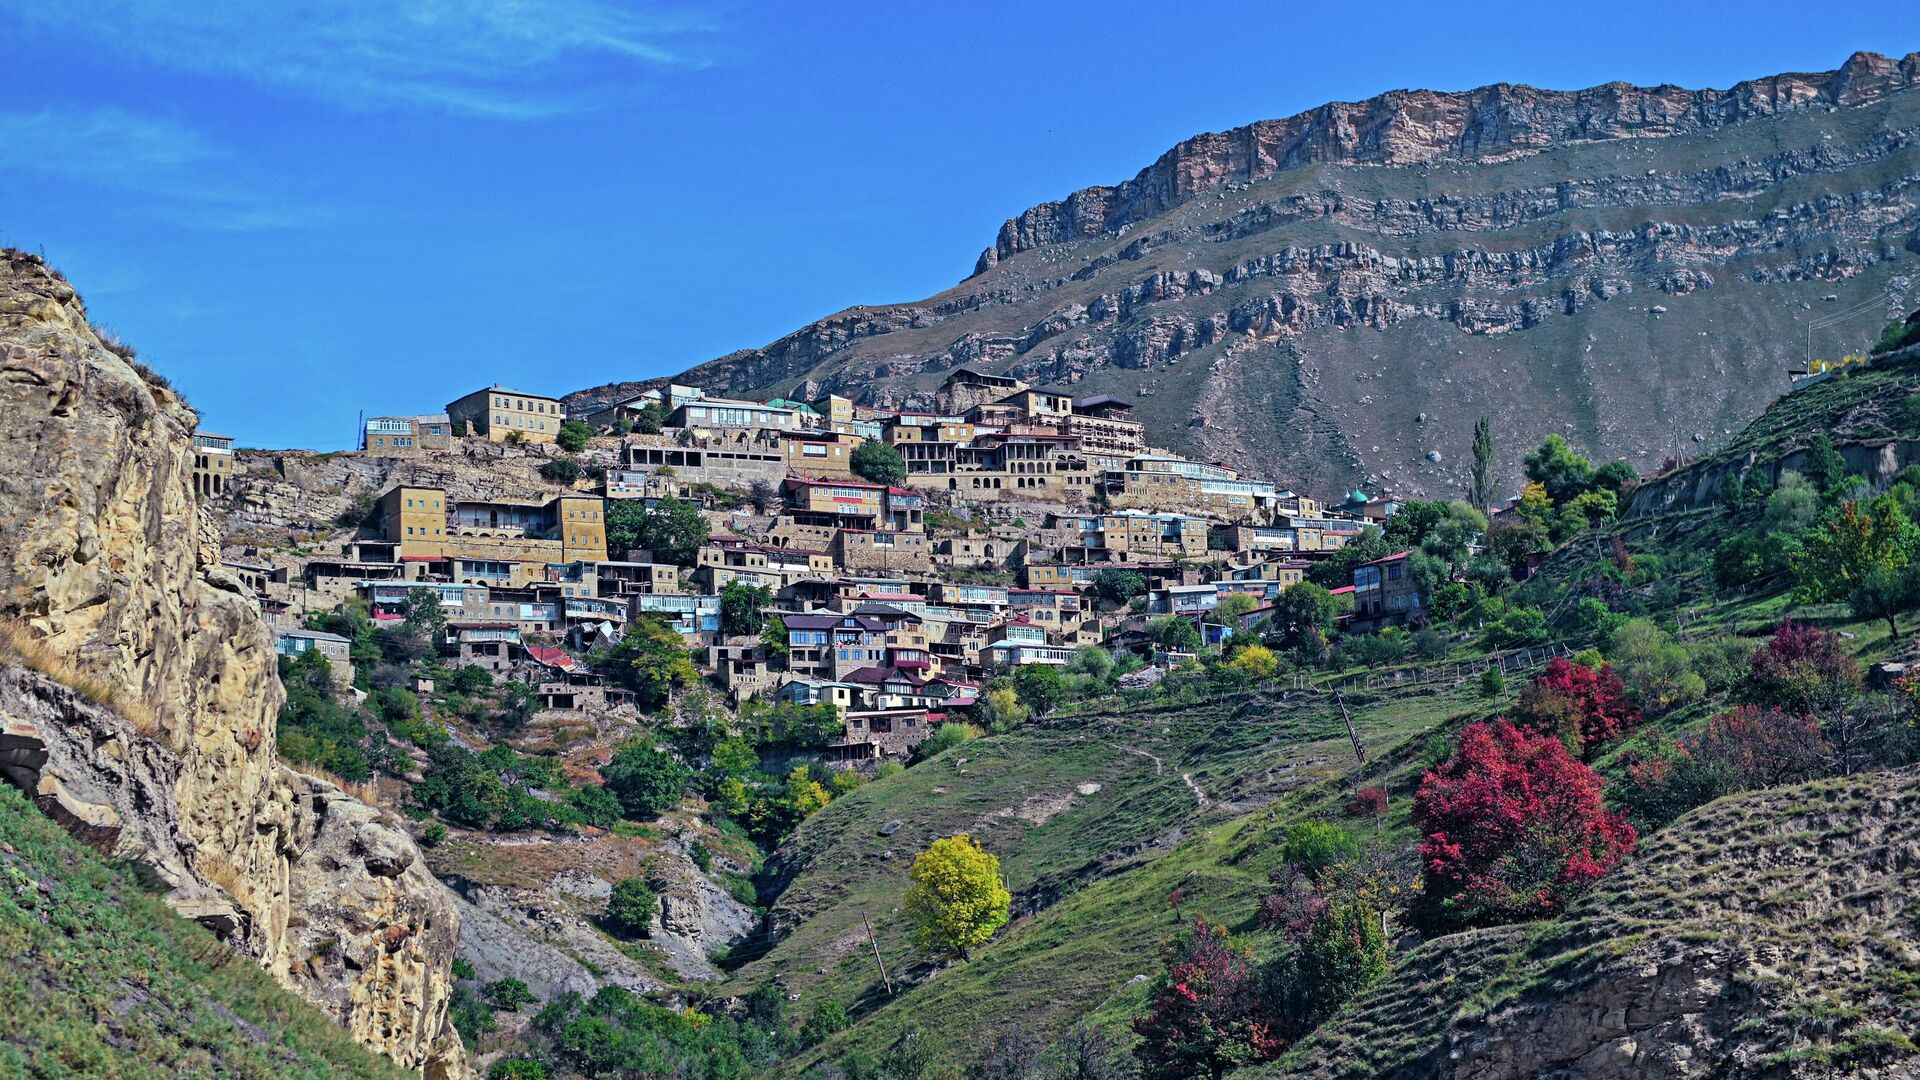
(1334, 297)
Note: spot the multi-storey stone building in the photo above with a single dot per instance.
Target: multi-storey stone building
(504, 415)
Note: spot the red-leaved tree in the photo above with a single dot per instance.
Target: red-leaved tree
(1512, 827)
(1764, 747)
(1801, 670)
(1205, 1012)
(1586, 707)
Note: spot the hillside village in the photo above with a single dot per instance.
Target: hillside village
(886, 563)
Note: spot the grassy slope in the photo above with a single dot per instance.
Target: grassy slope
(1091, 881)
(101, 979)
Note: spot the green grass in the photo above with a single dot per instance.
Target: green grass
(101, 979)
(1090, 870)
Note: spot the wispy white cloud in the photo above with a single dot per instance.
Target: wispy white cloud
(508, 58)
(168, 169)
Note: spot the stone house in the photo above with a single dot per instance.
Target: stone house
(499, 414)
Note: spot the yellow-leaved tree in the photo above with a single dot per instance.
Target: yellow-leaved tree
(956, 900)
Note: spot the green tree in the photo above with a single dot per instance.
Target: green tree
(1557, 467)
(1174, 633)
(631, 908)
(423, 614)
(742, 608)
(1117, 587)
(1336, 570)
(1617, 477)
(955, 899)
(1824, 465)
(1481, 491)
(1040, 686)
(1302, 613)
(517, 1069)
(508, 994)
(652, 661)
(573, 436)
(1883, 593)
(672, 529)
(1655, 668)
(773, 634)
(645, 778)
(1345, 952)
(650, 418)
(1234, 605)
(878, 463)
(1837, 555)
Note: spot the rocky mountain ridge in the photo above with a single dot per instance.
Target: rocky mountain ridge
(145, 717)
(1295, 296)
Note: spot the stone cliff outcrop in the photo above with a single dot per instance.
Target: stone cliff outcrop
(110, 585)
(1632, 266)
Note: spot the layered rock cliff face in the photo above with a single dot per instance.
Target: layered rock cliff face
(1335, 297)
(110, 585)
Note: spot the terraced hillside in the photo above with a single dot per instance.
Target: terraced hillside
(1772, 933)
(1339, 294)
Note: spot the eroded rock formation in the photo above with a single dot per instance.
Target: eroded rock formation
(110, 583)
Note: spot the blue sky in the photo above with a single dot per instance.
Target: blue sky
(299, 211)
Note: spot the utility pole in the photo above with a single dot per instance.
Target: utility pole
(877, 962)
(1359, 755)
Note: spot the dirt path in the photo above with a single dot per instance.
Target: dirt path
(1160, 769)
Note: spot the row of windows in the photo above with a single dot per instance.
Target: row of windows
(514, 421)
(523, 405)
(421, 504)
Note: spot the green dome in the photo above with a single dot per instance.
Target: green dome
(1356, 496)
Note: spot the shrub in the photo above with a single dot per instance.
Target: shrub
(1585, 707)
(1512, 827)
(509, 994)
(631, 908)
(1368, 802)
(1740, 750)
(1800, 670)
(1518, 626)
(560, 470)
(647, 780)
(827, 1019)
(517, 1069)
(1656, 669)
(1316, 847)
(955, 900)
(573, 436)
(1205, 1012)
(945, 737)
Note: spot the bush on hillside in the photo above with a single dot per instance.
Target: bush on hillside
(1512, 827)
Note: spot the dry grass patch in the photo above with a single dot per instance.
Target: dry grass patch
(19, 642)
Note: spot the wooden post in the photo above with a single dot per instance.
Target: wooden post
(1359, 755)
(879, 963)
